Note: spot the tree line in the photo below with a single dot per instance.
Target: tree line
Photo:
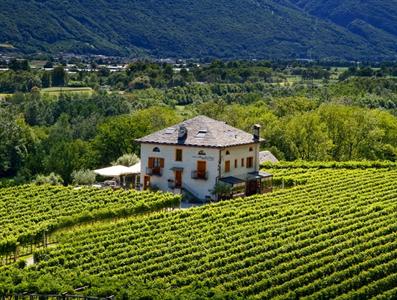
(353, 119)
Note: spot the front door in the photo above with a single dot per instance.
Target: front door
(178, 178)
(252, 187)
(146, 182)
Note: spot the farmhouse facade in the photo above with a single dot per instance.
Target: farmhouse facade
(195, 155)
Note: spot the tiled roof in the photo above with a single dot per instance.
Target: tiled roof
(267, 156)
(201, 131)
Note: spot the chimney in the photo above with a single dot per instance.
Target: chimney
(182, 132)
(257, 132)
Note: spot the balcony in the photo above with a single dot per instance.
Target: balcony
(154, 171)
(199, 175)
(173, 185)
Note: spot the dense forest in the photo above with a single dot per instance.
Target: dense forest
(307, 112)
(183, 28)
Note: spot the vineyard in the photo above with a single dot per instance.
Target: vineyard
(28, 212)
(333, 235)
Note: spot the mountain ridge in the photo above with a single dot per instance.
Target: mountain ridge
(185, 28)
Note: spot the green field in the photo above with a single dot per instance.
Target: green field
(3, 96)
(60, 90)
(333, 235)
(56, 91)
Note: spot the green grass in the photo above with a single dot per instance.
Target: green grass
(56, 91)
(62, 90)
(294, 78)
(3, 96)
(66, 89)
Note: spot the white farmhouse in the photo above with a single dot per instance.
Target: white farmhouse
(194, 155)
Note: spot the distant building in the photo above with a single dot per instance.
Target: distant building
(195, 155)
(267, 156)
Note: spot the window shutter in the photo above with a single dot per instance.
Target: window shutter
(161, 162)
(250, 162)
(227, 166)
(201, 166)
(151, 162)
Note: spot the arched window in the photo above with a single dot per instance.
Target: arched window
(227, 152)
(156, 149)
(202, 152)
(251, 149)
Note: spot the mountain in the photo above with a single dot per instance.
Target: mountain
(203, 28)
(373, 20)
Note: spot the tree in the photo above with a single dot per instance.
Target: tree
(83, 177)
(46, 79)
(168, 72)
(52, 179)
(127, 160)
(292, 105)
(58, 76)
(308, 138)
(139, 83)
(66, 156)
(19, 65)
(16, 140)
(117, 135)
(222, 190)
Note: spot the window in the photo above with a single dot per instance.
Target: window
(227, 152)
(201, 172)
(170, 130)
(201, 133)
(155, 165)
(178, 155)
(202, 152)
(242, 162)
(227, 166)
(251, 149)
(156, 149)
(250, 162)
(156, 162)
(235, 163)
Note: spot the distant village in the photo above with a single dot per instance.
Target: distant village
(87, 63)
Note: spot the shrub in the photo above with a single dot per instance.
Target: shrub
(83, 177)
(127, 160)
(222, 190)
(53, 179)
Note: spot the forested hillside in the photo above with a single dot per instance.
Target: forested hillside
(185, 28)
(372, 20)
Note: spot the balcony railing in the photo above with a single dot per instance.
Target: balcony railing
(154, 171)
(174, 185)
(200, 175)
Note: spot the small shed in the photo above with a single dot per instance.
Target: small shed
(267, 156)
